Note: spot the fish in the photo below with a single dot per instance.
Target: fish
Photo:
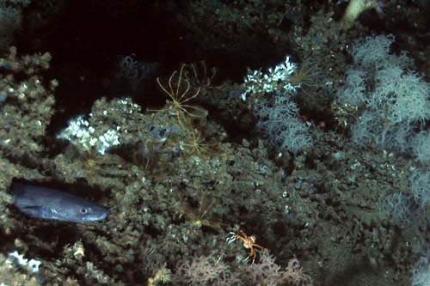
(53, 204)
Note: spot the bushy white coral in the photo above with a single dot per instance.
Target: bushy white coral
(394, 99)
(421, 146)
(80, 132)
(31, 265)
(421, 273)
(280, 123)
(276, 79)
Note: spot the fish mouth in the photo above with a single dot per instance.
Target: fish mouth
(104, 215)
(97, 216)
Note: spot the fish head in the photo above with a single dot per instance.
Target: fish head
(77, 211)
(85, 213)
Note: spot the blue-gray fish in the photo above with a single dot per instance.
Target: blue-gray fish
(47, 203)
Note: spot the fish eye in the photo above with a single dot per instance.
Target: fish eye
(83, 211)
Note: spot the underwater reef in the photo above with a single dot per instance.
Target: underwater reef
(214, 142)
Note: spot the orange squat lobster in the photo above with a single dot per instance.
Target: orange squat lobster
(248, 242)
